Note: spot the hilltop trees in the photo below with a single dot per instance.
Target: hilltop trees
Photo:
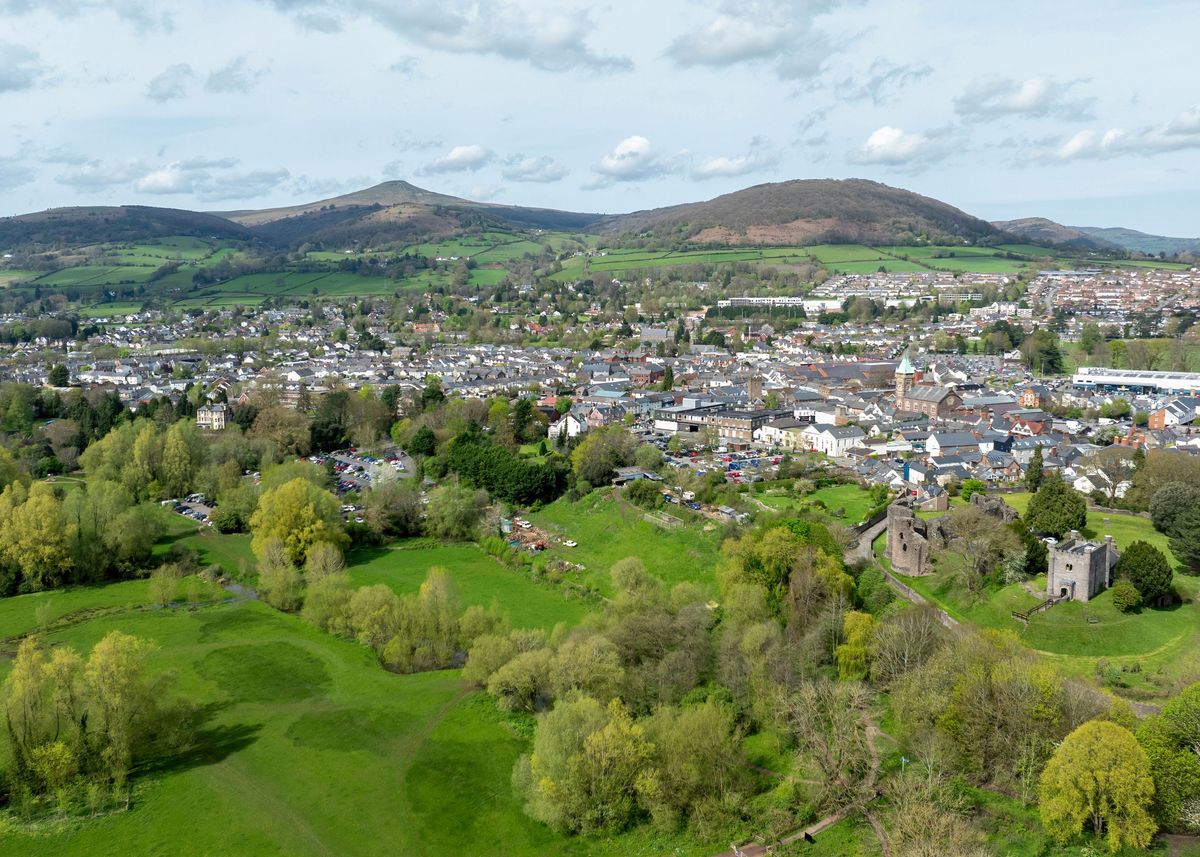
(1101, 777)
(1170, 502)
(1170, 739)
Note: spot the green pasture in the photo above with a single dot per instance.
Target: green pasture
(479, 578)
(305, 746)
(608, 530)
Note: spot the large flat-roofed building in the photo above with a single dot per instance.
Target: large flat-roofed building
(1136, 380)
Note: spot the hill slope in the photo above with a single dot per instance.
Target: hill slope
(395, 211)
(808, 211)
(1039, 230)
(1142, 242)
(80, 225)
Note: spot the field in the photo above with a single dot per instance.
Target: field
(307, 747)
(852, 498)
(609, 529)
(479, 578)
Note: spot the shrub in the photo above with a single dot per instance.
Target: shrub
(1125, 596)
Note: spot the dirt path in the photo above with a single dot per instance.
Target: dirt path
(868, 793)
(862, 550)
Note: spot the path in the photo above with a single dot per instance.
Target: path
(863, 549)
(867, 794)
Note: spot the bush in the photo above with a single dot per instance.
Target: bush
(644, 493)
(1147, 568)
(1126, 596)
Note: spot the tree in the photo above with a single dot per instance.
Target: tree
(668, 381)
(393, 510)
(1056, 508)
(1115, 465)
(602, 451)
(1034, 470)
(60, 376)
(902, 643)
(1185, 543)
(455, 512)
(299, 515)
(696, 762)
(424, 442)
(1170, 739)
(851, 655)
(35, 536)
(982, 538)
(1099, 776)
(1147, 568)
(182, 457)
(1170, 502)
(971, 487)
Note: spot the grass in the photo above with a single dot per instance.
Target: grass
(852, 498)
(307, 747)
(480, 579)
(609, 529)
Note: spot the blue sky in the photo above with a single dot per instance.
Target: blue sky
(1087, 113)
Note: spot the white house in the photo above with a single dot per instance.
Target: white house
(834, 441)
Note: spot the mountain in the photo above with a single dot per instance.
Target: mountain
(395, 211)
(808, 211)
(1039, 230)
(79, 225)
(1142, 242)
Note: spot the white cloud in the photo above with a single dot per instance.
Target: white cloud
(20, 67)
(207, 179)
(144, 15)
(779, 33)
(171, 83)
(97, 176)
(14, 173)
(544, 35)
(759, 157)
(460, 159)
(540, 168)
(891, 146)
(236, 76)
(633, 160)
(1036, 97)
(882, 82)
(1179, 134)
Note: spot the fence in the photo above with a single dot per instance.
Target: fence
(1033, 611)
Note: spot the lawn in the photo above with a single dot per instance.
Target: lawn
(308, 747)
(480, 579)
(854, 500)
(609, 529)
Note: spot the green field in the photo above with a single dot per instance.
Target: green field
(852, 498)
(305, 746)
(609, 529)
(479, 578)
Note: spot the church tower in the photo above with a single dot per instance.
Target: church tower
(904, 377)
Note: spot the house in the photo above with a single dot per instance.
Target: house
(1034, 396)
(1176, 412)
(569, 425)
(212, 417)
(834, 441)
(942, 444)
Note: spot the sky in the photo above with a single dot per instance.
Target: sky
(1085, 113)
